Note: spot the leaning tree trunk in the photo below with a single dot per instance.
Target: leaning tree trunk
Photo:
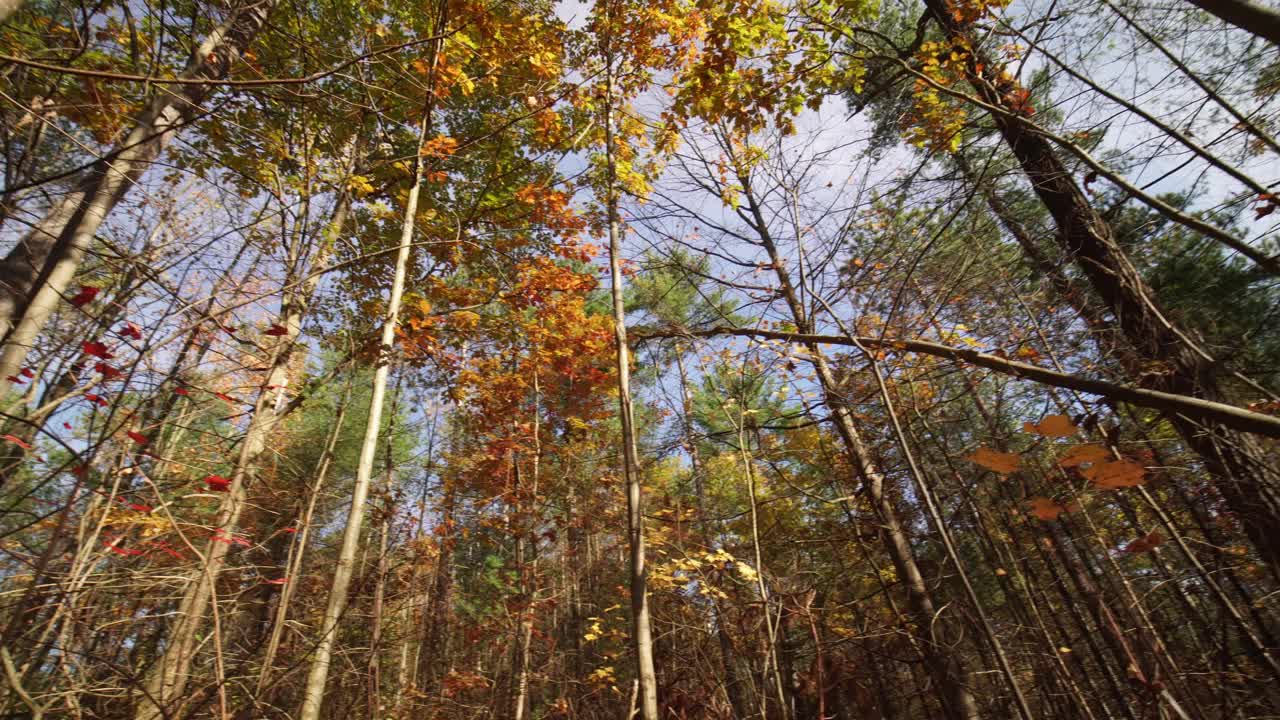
(37, 271)
(1249, 16)
(946, 668)
(167, 680)
(1248, 480)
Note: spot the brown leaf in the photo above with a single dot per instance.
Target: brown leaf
(1044, 508)
(1003, 463)
(1052, 426)
(1117, 474)
(1085, 454)
(1146, 543)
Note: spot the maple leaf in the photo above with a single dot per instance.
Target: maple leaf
(85, 296)
(1003, 463)
(1084, 455)
(108, 372)
(96, 349)
(1052, 426)
(217, 483)
(138, 437)
(276, 331)
(1045, 509)
(1116, 474)
(1146, 543)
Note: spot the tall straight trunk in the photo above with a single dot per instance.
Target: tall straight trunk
(38, 270)
(641, 633)
(946, 667)
(1246, 476)
(318, 675)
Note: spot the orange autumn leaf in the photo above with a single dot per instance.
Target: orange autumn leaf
(1003, 463)
(1146, 543)
(1115, 475)
(1085, 454)
(1044, 508)
(1052, 426)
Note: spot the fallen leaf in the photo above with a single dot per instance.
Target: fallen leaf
(1052, 426)
(1146, 543)
(1084, 455)
(1116, 474)
(1003, 463)
(1044, 508)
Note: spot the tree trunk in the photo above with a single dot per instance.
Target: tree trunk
(946, 668)
(640, 626)
(318, 675)
(1247, 478)
(37, 271)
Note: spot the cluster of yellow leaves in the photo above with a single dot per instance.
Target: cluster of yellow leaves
(935, 121)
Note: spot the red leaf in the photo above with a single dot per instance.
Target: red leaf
(140, 507)
(85, 296)
(16, 380)
(96, 399)
(66, 425)
(181, 391)
(223, 396)
(131, 331)
(96, 349)
(123, 551)
(1265, 210)
(138, 437)
(217, 483)
(276, 331)
(28, 372)
(108, 372)
(17, 441)
(290, 530)
(80, 471)
(166, 547)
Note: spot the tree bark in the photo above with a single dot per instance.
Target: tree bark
(38, 270)
(1247, 477)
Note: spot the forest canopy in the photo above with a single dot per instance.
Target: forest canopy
(661, 359)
